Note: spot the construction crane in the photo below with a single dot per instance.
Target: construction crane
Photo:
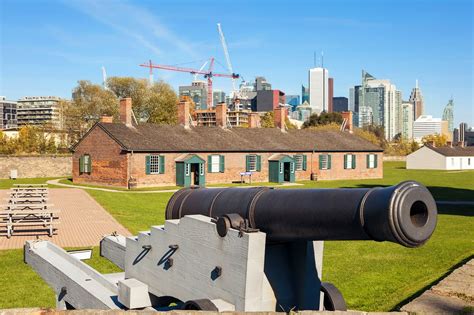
(208, 74)
(227, 57)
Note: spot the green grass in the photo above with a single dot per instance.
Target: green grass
(372, 276)
(69, 181)
(8, 183)
(444, 185)
(20, 286)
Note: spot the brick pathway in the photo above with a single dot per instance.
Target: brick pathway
(83, 221)
(453, 295)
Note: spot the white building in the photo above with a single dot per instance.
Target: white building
(318, 89)
(426, 125)
(40, 111)
(441, 158)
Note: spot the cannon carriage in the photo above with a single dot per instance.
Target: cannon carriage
(242, 249)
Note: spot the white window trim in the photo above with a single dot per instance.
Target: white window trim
(201, 169)
(154, 164)
(254, 162)
(87, 163)
(299, 162)
(371, 160)
(187, 169)
(349, 158)
(325, 161)
(215, 163)
(280, 165)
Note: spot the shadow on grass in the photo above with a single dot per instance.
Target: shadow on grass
(428, 286)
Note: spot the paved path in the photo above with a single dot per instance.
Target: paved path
(83, 222)
(453, 295)
(57, 183)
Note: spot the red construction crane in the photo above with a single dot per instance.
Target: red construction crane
(208, 74)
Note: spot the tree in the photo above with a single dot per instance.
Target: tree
(89, 103)
(323, 119)
(161, 107)
(268, 120)
(136, 89)
(437, 139)
(367, 135)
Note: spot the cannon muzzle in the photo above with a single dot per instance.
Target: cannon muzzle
(405, 213)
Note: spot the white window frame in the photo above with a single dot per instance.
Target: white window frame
(349, 158)
(215, 163)
(252, 162)
(299, 162)
(201, 169)
(292, 167)
(280, 164)
(87, 163)
(154, 164)
(187, 169)
(324, 161)
(371, 160)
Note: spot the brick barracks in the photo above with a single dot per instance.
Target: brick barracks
(129, 155)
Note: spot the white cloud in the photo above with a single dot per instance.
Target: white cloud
(133, 22)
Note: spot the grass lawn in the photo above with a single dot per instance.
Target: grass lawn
(372, 276)
(8, 183)
(20, 286)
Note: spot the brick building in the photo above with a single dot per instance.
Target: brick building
(125, 154)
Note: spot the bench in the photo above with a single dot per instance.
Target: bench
(44, 218)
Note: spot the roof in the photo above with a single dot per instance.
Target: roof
(453, 151)
(166, 138)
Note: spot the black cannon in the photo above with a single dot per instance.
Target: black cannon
(405, 213)
(294, 220)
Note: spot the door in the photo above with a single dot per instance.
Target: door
(287, 171)
(195, 174)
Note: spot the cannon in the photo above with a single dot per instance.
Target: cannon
(242, 249)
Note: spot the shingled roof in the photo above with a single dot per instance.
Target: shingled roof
(453, 151)
(155, 138)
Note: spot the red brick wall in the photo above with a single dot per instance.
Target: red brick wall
(235, 163)
(109, 163)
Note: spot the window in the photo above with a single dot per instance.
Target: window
(281, 167)
(85, 164)
(469, 161)
(201, 168)
(300, 162)
(371, 161)
(452, 161)
(292, 167)
(155, 164)
(349, 161)
(253, 163)
(324, 161)
(215, 163)
(187, 168)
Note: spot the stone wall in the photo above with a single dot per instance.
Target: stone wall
(36, 166)
(395, 158)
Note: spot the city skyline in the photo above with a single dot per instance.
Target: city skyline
(48, 56)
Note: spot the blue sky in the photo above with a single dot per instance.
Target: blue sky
(46, 46)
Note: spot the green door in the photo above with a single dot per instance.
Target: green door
(190, 171)
(281, 169)
(273, 172)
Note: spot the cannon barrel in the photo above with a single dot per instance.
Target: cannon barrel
(405, 213)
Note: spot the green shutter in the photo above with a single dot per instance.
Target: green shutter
(329, 161)
(320, 161)
(147, 164)
(247, 163)
(375, 160)
(81, 164)
(368, 160)
(345, 161)
(162, 164)
(209, 163)
(221, 163)
(304, 163)
(259, 163)
(353, 161)
(90, 165)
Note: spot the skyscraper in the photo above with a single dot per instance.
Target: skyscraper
(406, 120)
(330, 95)
(416, 98)
(304, 94)
(448, 115)
(379, 104)
(318, 89)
